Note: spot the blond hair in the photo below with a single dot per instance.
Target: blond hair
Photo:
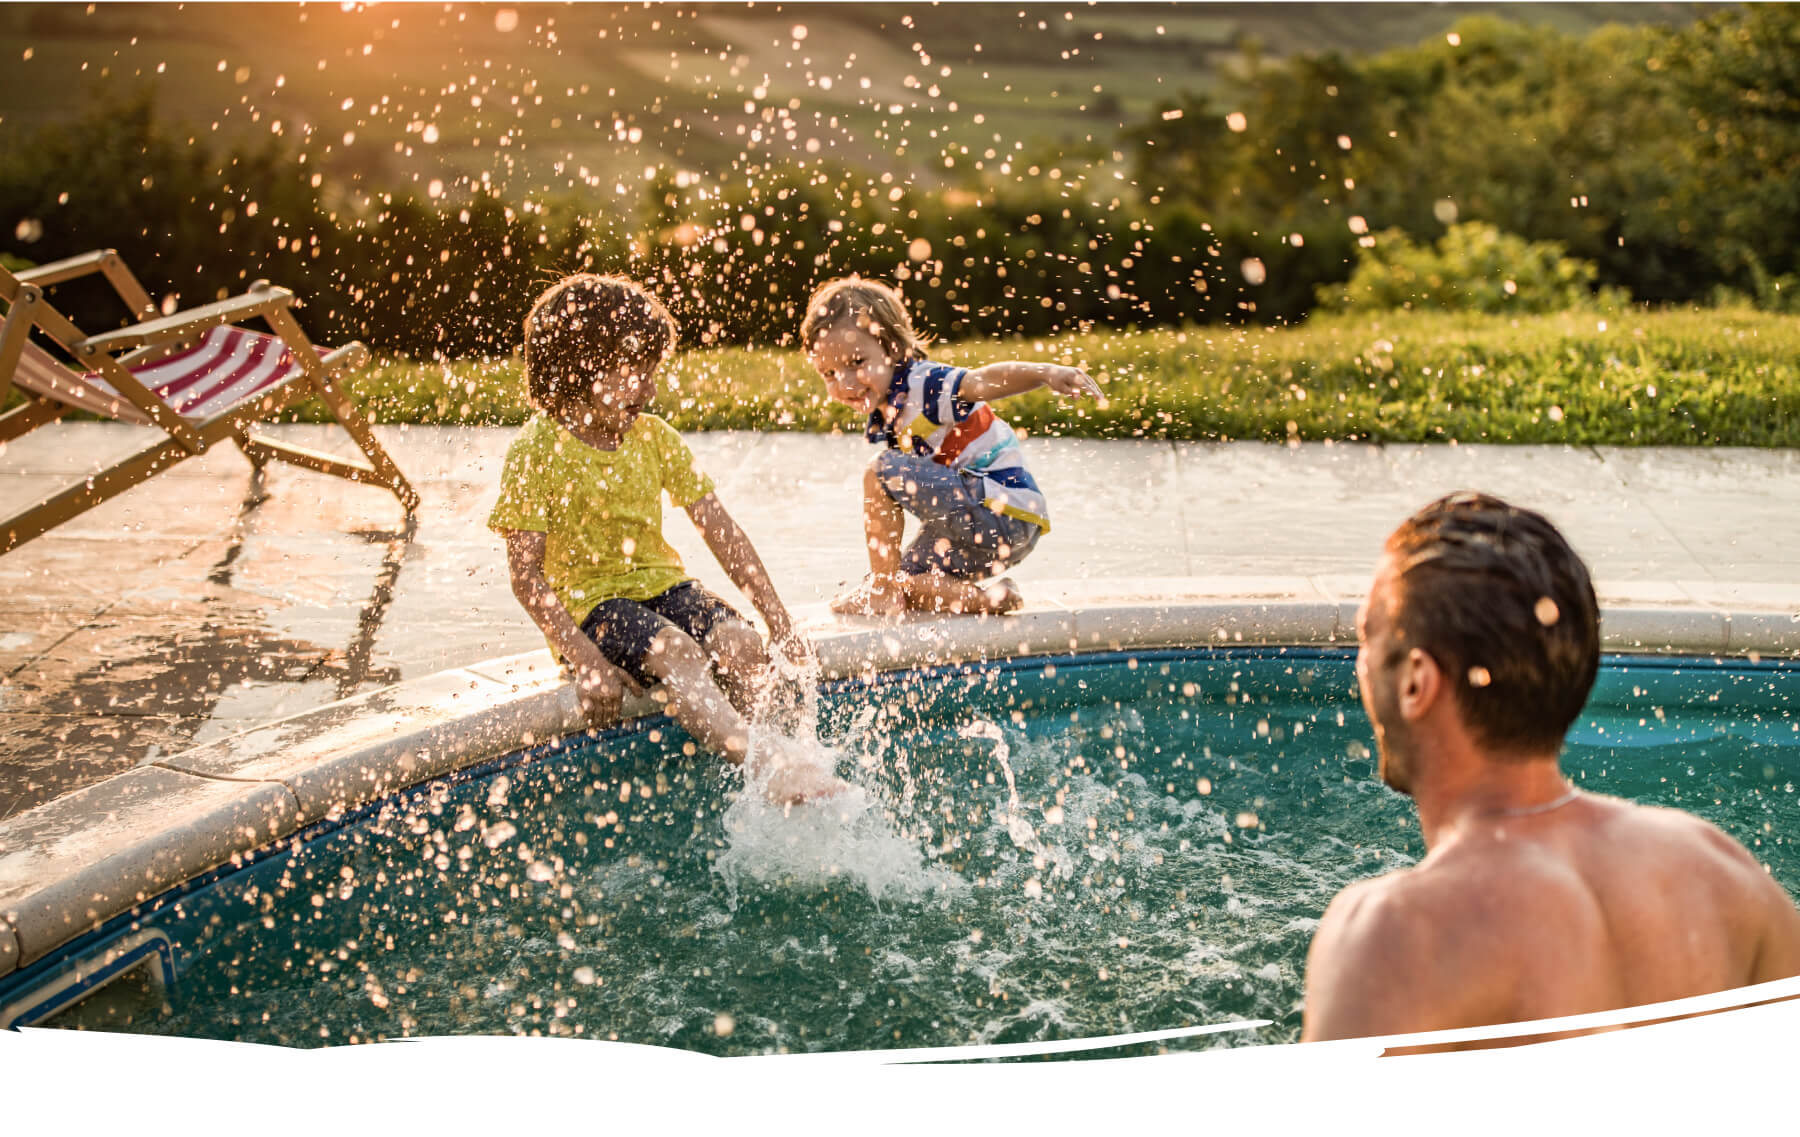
(867, 304)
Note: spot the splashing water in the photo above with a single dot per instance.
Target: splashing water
(842, 838)
(1020, 830)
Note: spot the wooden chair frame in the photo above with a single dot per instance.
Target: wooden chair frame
(110, 356)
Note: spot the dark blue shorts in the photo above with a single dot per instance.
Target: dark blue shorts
(959, 535)
(624, 629)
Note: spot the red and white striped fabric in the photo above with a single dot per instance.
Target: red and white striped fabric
(228, 367)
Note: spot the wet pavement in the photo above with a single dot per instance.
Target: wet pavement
(203, 603)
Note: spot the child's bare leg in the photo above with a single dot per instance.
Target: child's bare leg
(766, 695)
(702, 709)
(884, 524)
(740, 662)
(937, 592)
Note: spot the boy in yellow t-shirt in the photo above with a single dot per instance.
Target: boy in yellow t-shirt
(580, 508)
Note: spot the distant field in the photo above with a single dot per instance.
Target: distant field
(1714, 377)
(534, 95)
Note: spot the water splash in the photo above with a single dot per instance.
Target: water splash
(836, 840)
(1018, 829)
(842, 838)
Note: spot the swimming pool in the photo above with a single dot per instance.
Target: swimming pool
(1055, 848)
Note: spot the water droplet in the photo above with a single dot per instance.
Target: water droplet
(495, 836)
(1546, 611)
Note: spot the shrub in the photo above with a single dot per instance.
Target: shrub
(1473, 268)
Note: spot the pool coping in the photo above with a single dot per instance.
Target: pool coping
(72, 864)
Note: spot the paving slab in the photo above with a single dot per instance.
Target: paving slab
(860, 648)
(1223, 623)
(1305, 509)
(1701, 630)
(43, 756)
(1718, 502)
(347, 754)
(1299, 502)
(1133, 486)
(1763, 633)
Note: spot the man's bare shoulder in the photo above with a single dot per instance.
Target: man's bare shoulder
(1396, 954)
(1733, 871)
(1650, 833)
(1406, 909)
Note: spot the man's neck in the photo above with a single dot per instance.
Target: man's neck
(1474, 786)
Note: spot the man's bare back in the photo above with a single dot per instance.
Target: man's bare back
(1596, 905)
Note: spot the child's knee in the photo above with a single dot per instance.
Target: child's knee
(875, 479)
(737, 648)
(674, 652)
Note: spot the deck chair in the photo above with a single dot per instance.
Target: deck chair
(195, 375)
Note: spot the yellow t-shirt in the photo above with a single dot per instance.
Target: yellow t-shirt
(601, 511)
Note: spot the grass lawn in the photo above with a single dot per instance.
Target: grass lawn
(1706, 378)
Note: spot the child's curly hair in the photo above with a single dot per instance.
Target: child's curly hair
(588, 325)
(871, 305)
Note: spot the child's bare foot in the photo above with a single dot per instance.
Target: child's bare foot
(1003, 596)
(799, 784)
(788, 776)
(935, 592)
(874, 596)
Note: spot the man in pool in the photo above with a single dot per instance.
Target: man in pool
(1479, 644)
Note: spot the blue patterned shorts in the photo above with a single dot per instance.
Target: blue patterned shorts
(958, 535)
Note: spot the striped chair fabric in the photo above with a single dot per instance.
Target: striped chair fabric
(228, 367)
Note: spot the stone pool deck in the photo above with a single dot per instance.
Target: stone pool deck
(141, 643)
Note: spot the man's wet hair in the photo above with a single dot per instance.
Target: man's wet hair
(588, 325)
(1498, 598)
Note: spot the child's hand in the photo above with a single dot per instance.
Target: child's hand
(1072, 382)
(798, 651)
(601, 694)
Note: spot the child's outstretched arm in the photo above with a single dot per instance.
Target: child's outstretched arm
(731, 546)
(999, 380)
(600, 684)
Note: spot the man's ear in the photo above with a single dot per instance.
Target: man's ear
(1421, 684)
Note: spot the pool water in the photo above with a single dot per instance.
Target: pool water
(1051, 849)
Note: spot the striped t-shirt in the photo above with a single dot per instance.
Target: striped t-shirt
(925, 415)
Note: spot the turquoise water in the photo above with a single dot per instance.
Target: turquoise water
(1094, 847)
